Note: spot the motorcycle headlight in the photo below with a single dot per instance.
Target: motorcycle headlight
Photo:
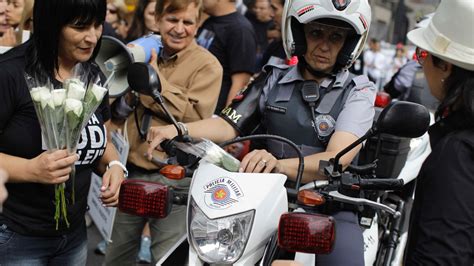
(221, 240)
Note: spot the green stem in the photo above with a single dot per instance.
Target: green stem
(63, 205)
(57, 199)
(73, 176)
(60, 204)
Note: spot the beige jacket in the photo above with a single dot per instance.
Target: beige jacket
(191, 81)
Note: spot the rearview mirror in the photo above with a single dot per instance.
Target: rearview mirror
(399, 118)
(404, 119)
(143, 79)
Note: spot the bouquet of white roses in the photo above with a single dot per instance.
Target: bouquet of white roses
(63, 113)
(80, 104)
(49, 107)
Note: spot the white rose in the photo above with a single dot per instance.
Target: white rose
(36, 93)
(74, 106)
(73, 81)
(213, 155)
(76, 91)
(98, 92)
(46, 99)
(59, 96)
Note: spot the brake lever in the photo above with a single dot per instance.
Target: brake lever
(346, 199)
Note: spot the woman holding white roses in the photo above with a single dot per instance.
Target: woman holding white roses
(66, 32)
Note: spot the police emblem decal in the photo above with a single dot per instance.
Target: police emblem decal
(221, 193)
(325, 125)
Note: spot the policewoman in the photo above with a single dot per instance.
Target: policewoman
(317, 104)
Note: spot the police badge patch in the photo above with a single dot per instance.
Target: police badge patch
(325, 125)
(222, 193)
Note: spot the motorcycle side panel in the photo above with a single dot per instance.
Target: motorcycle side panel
(371, 242)
(419, 149)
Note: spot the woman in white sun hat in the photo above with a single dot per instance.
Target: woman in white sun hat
(442, 220)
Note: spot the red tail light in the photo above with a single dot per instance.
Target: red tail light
(146, 199)
(382, 99)
(175, 172)
(306, 232)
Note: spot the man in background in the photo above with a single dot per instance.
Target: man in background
(261, 17)
(190, 78)
(229, 36)
(375, 63)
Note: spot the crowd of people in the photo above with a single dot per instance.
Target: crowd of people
(217, 62)
(15, 21)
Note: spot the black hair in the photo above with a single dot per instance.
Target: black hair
(49, 18)
(137, 28)
(459, 92)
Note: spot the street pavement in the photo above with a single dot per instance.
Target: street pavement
(94, 237)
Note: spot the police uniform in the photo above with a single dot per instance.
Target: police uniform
(275, 103)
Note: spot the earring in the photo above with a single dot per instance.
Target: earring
(442, 80)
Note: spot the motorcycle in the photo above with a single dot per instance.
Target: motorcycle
(233, 217)
(386, 245)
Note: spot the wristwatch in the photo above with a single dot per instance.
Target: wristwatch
(115, 162)
(183, 128)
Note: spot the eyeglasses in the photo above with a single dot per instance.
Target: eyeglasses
(421, 55)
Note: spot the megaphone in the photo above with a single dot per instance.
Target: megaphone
(114, 57)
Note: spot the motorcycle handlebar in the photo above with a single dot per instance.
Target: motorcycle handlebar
(362, 169)
(167, 146)
(381, 184)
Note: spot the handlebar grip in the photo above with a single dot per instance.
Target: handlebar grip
(362, 169)
(168, 146)
(381, 184)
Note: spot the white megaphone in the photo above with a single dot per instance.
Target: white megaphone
(114, 57)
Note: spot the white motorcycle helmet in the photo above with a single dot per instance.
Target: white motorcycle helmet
(355, 14)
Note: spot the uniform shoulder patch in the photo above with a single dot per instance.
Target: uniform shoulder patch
(363, 84)
(231, 114)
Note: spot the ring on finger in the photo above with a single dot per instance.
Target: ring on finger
(263, 162)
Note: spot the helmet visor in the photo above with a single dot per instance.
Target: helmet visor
(318, 30)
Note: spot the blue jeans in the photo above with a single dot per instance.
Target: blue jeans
(69, 249)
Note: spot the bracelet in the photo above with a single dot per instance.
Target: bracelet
(115, 162)
(183, 128)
